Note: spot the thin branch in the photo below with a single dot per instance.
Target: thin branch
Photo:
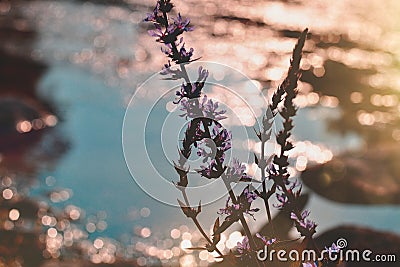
(197, 223)
(263, 177)
(246, 228)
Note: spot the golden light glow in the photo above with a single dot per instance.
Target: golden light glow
(176, 251)
(365, 118)
(312, 98)
(98, 243)
(319, 72)
(356, 97)
(185, 244)
(90, 227)
(7, 193)
(305, 151)
(74, 214)
(51, 120)
(187, 261)
(203, 255)
(101, 226)
(6, 181)
(141, 261)
(145, 212)
(145, 232)
(329, 101)
(175, 233)
(24, 126)
(396, 134)
(8, 225)
(301, 163)
(46, 220)
(38, 124)
(186, 236)
(52, 232)
(233, 239)
(13, 215)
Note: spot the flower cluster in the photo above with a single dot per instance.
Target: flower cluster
(190, 90)
(266, 242)
(309, 264)
(221, 137)
(282, 199)
(214, 169)
(199, 130)
(180, 55)
(193, 90)
(288, 194)
(237, 172)
(210, 109)
(207, 108)
(244, 246)
(162, 6)
(229, 208)
(206, 149)
(176, 74)
(333, 249)
(305, 226)
(242, 205)
(167, 32)
(190, 108)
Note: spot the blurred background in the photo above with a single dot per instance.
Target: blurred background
(69, 68)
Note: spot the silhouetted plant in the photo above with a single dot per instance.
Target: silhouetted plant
(203, 126)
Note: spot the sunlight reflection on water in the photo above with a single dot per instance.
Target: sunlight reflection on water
(256, 38)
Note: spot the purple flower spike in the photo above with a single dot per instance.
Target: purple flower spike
(213, 170)
(190, 91)
(244, 246)
(184, 55)
(283, 200)
(236, 172)
(305, 214)
(189, 108)
(167, 32)
(250, 196)
(333, 249)
(165, 5)
(153, 17)
(210, 110)
(176, 74)
(266, 241)
(305, 226)
(181, 24)
(157, 32)
(242, 206)
(203, 74)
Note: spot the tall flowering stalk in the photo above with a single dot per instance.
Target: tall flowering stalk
(287, 191)
(204, 131)
(169, 32)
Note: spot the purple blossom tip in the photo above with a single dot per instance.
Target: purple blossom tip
(244, 246)
(266, 241)
(309, 264)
